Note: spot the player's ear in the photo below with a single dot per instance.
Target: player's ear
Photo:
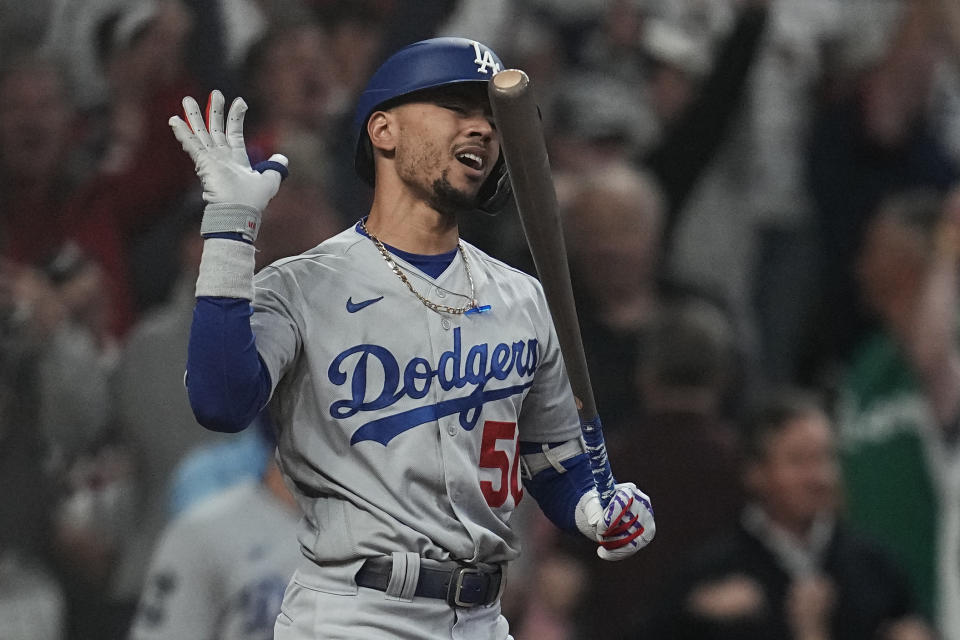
(382, 130)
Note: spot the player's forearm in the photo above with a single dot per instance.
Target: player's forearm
(227, 382)
(557, 493)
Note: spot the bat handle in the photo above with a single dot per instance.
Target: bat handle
(599, 462)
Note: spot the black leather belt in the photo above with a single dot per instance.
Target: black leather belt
(461, 586)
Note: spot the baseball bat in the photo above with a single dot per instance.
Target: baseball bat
(525, 153)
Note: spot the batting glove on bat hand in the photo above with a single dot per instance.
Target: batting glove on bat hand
(235, 193)
(622, 528)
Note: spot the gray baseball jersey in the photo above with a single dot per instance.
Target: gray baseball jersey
(220, 569)
(399, 424)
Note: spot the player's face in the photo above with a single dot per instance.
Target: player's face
(448, 145)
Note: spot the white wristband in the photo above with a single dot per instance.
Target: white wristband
(226, 269)
(231, 218)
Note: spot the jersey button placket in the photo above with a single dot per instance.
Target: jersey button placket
(445, 324)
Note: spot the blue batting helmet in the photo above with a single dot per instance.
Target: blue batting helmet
(425, 65)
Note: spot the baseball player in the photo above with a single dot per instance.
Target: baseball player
(221, 567)
(416, 383)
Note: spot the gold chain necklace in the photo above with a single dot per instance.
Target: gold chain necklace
(440, 308)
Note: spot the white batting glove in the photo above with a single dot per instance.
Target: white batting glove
(622, 528)
(235, 193)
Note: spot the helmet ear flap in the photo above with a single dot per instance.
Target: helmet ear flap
(496, 189)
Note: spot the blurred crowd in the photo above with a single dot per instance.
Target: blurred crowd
(761, 201)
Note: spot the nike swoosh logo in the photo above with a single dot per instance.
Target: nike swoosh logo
(353, 307)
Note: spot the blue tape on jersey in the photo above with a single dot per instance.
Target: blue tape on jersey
(227, 383)
(557, 493)
(481, 309)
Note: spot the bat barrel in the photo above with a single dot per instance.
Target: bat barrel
(524, 149)
(522, 144)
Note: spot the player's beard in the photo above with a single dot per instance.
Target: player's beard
(449, 200)
(415, 163)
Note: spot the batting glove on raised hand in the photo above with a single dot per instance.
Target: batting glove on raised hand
(622, 528)
(236, 193)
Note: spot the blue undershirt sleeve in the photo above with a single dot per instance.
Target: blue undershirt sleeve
(227, 382)
(557, 493)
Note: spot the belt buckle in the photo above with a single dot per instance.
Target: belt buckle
(456, 587)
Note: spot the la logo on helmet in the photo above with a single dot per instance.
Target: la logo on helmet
(484, 59)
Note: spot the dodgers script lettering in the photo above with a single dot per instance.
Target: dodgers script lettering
(513, 363)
